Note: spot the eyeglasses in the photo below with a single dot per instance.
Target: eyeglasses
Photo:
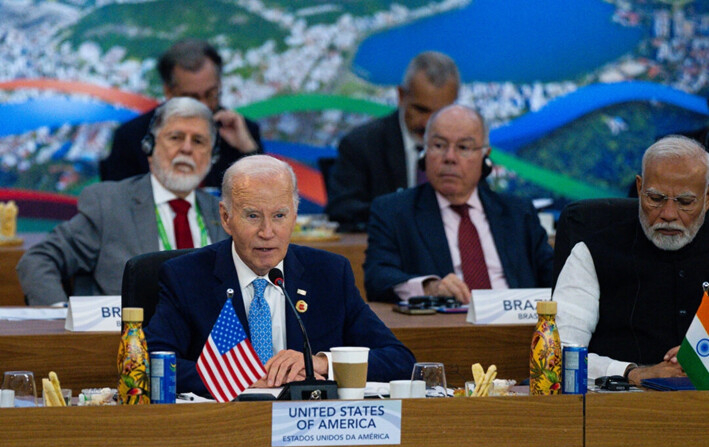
(177, 139)
(463, 150)
(657, 200)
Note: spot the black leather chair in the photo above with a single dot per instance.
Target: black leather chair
(578, 220)
(325, 165)
(140, 280)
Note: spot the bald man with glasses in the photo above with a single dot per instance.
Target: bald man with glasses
(453, 234)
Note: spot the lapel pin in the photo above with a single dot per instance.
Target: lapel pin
(301, 306)
(301, 292)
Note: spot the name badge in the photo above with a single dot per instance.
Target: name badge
(336, 423)
(94, 314)
(511, 306)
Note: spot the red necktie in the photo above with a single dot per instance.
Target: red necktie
(472, 258)
(183, 235)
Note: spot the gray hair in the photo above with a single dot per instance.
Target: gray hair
(257, 166)
(438, 68)
(185, 108)
(472, 112)
(676, 147)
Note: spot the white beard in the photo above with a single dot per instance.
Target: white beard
(667, 242)
(174, 180)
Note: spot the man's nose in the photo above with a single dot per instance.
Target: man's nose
(669, 211)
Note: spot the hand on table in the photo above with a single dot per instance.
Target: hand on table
(287, 366)
(450, 285)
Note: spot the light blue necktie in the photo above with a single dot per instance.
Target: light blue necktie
(260, 322)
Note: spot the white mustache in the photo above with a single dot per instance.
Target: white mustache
(668, 226)
(183, 159)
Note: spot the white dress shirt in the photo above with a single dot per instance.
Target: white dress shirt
(410, 152)
(274, 297)
(578, 292)
(451, 222)
(161, 197)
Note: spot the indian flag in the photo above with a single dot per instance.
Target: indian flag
(693, 354)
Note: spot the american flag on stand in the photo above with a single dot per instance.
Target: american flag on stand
(228, 363)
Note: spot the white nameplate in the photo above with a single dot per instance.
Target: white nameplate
(337, 422)
(510, 306)
(94, 314)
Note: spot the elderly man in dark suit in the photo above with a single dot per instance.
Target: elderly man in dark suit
(118, 220)
(454, 234)
(381, 156)
(189, 68)
(258, 209)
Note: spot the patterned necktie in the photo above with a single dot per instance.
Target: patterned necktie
(183, 234)
(260, 322)
(472, 258)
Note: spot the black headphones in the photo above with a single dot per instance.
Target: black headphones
(147, 144)
(484, 172)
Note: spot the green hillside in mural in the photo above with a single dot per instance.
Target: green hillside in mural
(134, 26)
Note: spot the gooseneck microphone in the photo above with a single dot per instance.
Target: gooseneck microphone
(276, 277)
(310, 388)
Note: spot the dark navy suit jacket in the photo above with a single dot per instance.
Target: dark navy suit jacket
(193, 292)
(407, 240)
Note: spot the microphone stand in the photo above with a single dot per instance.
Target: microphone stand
(310, 388)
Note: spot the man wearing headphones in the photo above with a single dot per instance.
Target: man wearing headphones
(161, 210)
(453, 234)
(189, 68)
(629, 292)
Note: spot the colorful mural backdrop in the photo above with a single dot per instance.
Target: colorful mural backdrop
(574, 90)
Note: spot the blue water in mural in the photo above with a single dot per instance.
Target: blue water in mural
(512, 40)
(18, 118)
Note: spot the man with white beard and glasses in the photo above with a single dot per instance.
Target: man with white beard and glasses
(162, 210)
(629, 292)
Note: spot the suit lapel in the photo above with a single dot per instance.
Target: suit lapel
(142, 208)
(225, 272)
(430, 226)
(501, 229)
(395, 155)
(206, 206)
(293, 278)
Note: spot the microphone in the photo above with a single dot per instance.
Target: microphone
(276, 277)
(310, 388)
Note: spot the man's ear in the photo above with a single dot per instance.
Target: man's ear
(224, 218)
(639, 184)
(167, 92)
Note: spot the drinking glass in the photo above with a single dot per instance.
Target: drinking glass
(23, 385)
(434, 375)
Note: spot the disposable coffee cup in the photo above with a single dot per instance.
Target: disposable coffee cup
(349, 365)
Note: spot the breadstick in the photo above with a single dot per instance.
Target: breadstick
(50, 396)
(486, 381)
(488, 384)
(57, 387)
(478, 375)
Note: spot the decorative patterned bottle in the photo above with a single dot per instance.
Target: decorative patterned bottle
(133, 360)
(545, 355)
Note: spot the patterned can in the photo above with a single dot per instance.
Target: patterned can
(163, 377)
(575, 369)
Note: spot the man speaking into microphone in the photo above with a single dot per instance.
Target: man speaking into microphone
(258, 210)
